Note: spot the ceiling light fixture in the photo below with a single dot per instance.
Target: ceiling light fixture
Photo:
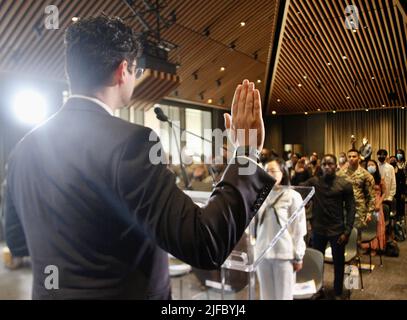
(306, 113)
(74, 19)
(334, 111)
(372, 78)
(242, 24)
(348, 97)
(344, 57)
(319, 109)
(300, 85)
(222, 69)
(258, 81)
(274, 112)
(210, 101)
(278, 100)
(328, 63)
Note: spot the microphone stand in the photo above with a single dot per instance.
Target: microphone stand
(164, 118)
(183, 171)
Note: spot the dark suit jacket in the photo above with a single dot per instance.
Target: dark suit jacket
(83, 195)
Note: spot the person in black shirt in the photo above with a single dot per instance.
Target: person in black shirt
(333, 194)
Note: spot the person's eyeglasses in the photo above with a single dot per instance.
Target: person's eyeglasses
(139, 73)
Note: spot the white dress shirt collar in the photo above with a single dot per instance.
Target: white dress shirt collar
(95, 100)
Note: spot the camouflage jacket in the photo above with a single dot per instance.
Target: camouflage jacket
(363, 190)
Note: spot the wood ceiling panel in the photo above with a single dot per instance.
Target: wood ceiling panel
(315, 34)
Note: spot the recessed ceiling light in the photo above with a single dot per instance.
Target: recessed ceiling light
(300, 85)
(274, 112)
(278, 100)
(367, 110)
(348, 97)
(319, 109)
(74, 19)
(372, 78)
(344, 57)
(258, 81)
(242, 24)
(403, 108)
(305, 112)
(354, 30)
(210, 101)
(383, 105)
(328, 63)
(222, 68)
(334, 111)
(305, 76)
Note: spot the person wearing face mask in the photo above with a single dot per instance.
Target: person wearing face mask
(314, 165)
(276, 273)
(379, 242)
(389, 176)
(342, 161)
(333, 194)
(400, 184)
(363, 190)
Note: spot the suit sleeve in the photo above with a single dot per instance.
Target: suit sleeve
(202, 237)
(14, 233)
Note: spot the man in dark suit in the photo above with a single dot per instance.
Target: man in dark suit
(87, 198)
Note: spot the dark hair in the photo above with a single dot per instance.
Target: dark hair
(285, 181)
(94, 48)
(330, 156)
(403, 153)
(354, 150)
(376, 175)
(382, 151)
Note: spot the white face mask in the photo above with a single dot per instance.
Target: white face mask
(371, 169)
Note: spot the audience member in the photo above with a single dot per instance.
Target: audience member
(365, 150)
(400, 185)
(277, 271)
(333, 195)
(389, 176)
(379, 243)
(342, 161)
(363, 188)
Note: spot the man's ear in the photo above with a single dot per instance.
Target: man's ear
(120, 72)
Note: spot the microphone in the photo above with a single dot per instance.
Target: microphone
(160, 114)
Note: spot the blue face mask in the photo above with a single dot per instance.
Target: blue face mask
(399, 156)
(371, 169)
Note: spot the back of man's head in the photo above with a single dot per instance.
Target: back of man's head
(94, 48)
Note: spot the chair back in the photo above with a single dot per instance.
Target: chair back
(370, 231)
(313, 268)
(351, 249)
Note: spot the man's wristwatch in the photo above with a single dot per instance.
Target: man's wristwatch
(248, 151)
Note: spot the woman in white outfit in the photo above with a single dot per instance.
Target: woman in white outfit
(276, 272)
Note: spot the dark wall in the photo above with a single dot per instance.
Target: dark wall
(308, 131)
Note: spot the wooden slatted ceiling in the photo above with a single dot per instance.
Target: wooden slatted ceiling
(27, 52)
(315, 34)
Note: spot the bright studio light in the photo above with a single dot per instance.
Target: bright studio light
(30, 107)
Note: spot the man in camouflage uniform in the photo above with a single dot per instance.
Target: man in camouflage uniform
(363, 188)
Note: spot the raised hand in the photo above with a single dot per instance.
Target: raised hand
(245, 125)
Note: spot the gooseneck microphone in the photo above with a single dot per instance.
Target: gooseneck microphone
(160, 114)
(162, 117)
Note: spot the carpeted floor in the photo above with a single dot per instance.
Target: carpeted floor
(383, 283)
